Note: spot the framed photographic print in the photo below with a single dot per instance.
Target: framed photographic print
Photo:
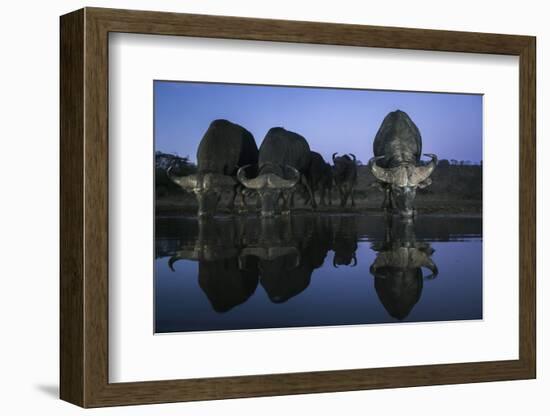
(255, 207)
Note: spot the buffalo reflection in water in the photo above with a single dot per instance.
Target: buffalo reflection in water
(280, 253)
(222, 277)
(397, 269)
(344, 241)
(288, 251)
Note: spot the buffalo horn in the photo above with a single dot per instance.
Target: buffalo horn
(276, 182)
(382, 174)
(256, 183)
(185, 182)
(422, 173)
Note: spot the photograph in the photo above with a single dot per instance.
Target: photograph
(297, 206)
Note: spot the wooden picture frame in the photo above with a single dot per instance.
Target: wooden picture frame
(84, 207)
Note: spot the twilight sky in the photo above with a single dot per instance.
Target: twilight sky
(332, 120)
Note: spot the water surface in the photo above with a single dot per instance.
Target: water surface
(315, 270)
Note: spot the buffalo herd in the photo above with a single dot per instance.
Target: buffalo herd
(228, 160)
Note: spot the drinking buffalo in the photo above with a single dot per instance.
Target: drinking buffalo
(283, 162)
(224, 148)
(345, 177)
(320, 178)
(396, 163)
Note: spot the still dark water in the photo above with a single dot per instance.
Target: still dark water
(315, 270)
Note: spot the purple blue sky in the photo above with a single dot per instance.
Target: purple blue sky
(332, 120)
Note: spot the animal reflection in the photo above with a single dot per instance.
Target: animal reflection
(344, 242)
(302, 249)
(279, 253)
(221, 277)
(397, 269)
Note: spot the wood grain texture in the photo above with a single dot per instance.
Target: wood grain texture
(71, 210)
(527, 207)
(96, 219)
(162, 23)
(84, 204)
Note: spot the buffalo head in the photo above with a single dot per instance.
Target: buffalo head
(207, 187)
(404, 180)
(343, 163)
(268, 185)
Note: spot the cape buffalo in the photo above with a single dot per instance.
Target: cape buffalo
(396, 163)
(320, 178)
(283, 162)
(345, 177)
(224, 148)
